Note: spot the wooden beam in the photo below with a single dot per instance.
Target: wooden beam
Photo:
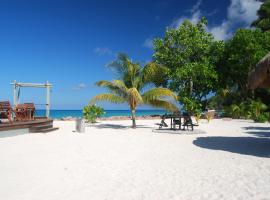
(32, 85)
(48, 100)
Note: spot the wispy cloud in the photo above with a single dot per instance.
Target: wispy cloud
(101, 51)
(240, 13)
(79, 86)
(148, 43)
(194, 15)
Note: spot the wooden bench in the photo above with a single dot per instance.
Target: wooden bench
(6, 110)
(188, 123)
(162, 123)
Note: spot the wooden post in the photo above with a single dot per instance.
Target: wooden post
(48, 100)
(15, 93)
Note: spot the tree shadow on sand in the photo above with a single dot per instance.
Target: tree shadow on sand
(116, 126)
(258, 131)
(254, 146)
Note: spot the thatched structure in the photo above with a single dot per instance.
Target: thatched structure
(260, 76)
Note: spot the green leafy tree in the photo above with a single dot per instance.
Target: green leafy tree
(190, 54)
(241, 54)
(92, 112)
(132, 84)
(263, 21)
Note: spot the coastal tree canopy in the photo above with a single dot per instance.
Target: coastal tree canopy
(190, 53)
(242, 53)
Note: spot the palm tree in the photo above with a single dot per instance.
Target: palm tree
(263, 21)
(131, 85)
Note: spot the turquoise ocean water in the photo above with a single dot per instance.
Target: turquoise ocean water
(57, 114)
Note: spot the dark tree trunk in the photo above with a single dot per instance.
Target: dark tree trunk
(133, 118)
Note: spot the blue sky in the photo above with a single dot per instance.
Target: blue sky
(69, 42)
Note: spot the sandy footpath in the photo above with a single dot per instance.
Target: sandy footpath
(110, 161)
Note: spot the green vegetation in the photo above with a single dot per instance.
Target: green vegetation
(190, 53)
(241, 54)
(204, 73)
(131, 86)
(197, 116)
(263, 21)
(92, 112)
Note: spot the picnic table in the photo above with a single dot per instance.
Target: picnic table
(177, 120)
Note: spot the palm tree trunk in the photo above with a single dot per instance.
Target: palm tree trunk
(133, 118)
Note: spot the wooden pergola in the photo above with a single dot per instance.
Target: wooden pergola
(18, 85)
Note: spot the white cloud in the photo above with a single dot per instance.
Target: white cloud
(194, 16)
(222, 31)
(102, 51)
(148, 43)
(240, 13)
(194, 19)
(243, 11)
(196, 6)
(79, 86)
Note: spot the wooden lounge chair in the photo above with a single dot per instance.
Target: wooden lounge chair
(6, 110)
(20, 112)
(24, 111)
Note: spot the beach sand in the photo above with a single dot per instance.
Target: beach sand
(110, 161)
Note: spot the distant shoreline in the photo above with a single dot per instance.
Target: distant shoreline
(114, 118)
(111, 114)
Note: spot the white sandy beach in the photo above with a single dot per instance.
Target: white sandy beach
(112, 162)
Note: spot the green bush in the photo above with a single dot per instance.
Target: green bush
(249, 109)
(262, 118)
(92, 112)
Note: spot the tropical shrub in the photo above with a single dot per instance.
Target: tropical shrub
(236, 111)
(197, 116)
(209, 116)
(262, 118)
(92, 112)
(257, 107)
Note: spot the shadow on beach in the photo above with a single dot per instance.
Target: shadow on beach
(117, 126)
(7, 134)
(253, 146)
(258, 131)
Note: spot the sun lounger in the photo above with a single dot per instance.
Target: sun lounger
(24, 111)
(30, 110)
(6, 110)
(20, 112)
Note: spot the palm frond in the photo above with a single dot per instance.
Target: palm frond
(155, 73)
(107, 97)
(157, 94)
(163, 104)
(134, 97)
(115, 87)
(121, 85)
(120, 65)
